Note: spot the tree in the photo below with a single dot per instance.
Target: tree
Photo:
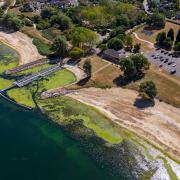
(160, 38)
(128, 67)
(128, 42)
(147, 90)
(84, 37)
(76, 53)
(115, 44)
(62, 21)
(87, 67)
(140, 62)
(167, 44)
(156, 21)
(137, 48)
(170, 34)
(60, 46)
(47, 12)
(122, 20)
(177, 47)
(134, 65)
(178, 37)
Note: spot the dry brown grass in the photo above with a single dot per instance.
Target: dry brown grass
(152, 38)
(168, 86)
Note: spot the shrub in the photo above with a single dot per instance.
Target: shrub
(76, 53)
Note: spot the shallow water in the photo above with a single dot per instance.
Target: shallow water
(33, 148)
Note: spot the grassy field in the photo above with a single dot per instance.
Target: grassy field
(5, 83)
(24, 95)
(64, 108)
(152, 38)
(168, 86)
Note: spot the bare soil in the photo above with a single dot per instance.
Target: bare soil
(22, 44)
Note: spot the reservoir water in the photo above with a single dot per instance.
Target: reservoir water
(32, 148)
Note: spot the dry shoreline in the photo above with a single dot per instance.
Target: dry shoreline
(22, 44)
(159, 124)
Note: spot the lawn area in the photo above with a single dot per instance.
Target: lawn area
(103, 72)
(22, 96)
(64, 108)
(5, 83)
(59, 79)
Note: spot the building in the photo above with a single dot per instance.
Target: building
(113, 55)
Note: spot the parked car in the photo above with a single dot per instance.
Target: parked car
(173, 71)
(166, 61)
(169, 63)
(173, 65)
(161, 66)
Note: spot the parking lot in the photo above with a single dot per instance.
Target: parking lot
(165, 60)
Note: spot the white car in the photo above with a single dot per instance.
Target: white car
(173, 65)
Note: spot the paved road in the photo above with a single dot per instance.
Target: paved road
(165, 66)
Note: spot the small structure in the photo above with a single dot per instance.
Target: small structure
(113, 55)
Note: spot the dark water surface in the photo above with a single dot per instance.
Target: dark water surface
(32, 148)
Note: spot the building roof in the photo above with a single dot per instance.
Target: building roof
(111, 52)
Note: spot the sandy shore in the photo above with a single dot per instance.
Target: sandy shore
(159, 124)
(22, 44)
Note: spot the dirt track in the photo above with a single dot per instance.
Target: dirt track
(159, 124)
(22, 44)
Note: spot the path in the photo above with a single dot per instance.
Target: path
(150, 43)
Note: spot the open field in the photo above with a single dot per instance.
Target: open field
(168, 86)
(152, 37)
(158, 124)
(145, 47)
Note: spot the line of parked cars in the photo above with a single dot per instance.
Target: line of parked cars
(165, 59)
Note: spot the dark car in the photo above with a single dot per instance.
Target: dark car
(169, 63)
(166, 61)
(173, 71)
(165, 52)
(161, 59)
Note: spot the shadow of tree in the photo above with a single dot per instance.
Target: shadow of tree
(142, 104)
(123, 81)
(83, 81)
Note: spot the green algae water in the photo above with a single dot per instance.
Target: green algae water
(32, 148)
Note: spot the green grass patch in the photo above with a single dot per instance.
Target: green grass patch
(43, 48)
(22, 96)
(5, 83)
(169, 169)
(58, 79)
(64, 107)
